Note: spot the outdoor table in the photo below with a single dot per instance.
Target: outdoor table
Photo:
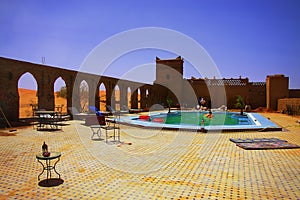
(46, 117)
(47, 166)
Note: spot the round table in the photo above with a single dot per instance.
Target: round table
(47, 166)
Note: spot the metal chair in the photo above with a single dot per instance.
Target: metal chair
(107, 124)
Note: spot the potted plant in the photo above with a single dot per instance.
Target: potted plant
(240, 104)
(169, 102)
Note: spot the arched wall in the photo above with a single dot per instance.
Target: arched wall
(45, 76)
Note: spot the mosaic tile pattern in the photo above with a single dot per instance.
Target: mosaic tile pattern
(164, 165)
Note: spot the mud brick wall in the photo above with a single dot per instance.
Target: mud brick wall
(289, 103)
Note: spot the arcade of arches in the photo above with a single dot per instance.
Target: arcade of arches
(46, 76)
(121, 94)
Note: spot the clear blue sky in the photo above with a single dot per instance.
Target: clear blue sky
(251, 38)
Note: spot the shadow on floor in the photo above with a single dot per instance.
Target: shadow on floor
(52, 182)
(7, 134)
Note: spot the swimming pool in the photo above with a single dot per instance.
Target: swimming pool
(194, 120)
(200, 118)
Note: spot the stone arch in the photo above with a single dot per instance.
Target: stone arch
(129, 97)
(27, 95)
(117, 97)
(82, 96)
(146, 100)
(139, 97)
(60, 103)
(102, 96)
(84, 92)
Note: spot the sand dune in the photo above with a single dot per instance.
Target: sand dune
(29, 97)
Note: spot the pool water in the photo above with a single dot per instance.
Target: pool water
(192, 120)
(200, 118)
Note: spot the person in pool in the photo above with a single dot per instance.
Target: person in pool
(209, 115)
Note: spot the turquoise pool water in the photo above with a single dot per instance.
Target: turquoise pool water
(193, 120)
(201, 118)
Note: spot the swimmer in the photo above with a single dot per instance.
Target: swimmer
(209, 115)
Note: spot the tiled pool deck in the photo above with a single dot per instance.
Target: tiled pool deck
(158, 165)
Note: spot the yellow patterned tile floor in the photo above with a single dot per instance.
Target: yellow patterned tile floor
(158, 165)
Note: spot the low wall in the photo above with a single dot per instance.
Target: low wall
(290, 106)
(294, 93)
